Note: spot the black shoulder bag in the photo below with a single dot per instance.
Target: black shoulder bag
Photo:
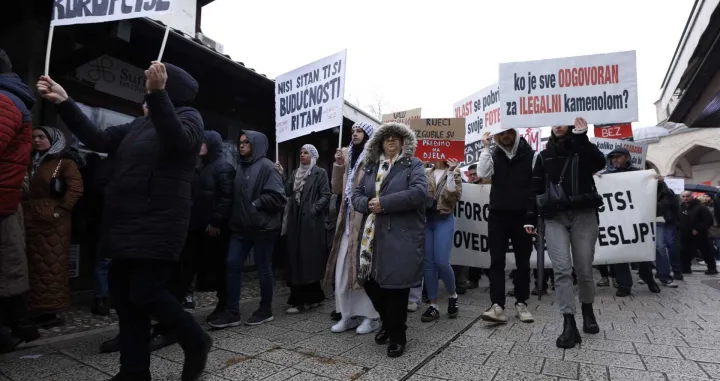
(554, 198)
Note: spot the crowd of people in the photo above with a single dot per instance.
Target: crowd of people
(174, 215)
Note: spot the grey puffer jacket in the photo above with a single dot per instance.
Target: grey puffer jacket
(397, 261)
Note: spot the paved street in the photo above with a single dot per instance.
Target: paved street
(671, 336)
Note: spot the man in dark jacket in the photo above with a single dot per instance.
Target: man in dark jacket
(618, 161)
(512, 201)
(695, 221)
(16, 100)
(147, 211)
(255, 222)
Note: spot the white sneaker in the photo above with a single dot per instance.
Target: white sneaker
(345, 324)
(368, 326)
(523, 314)
(495, 314)
(412, 307)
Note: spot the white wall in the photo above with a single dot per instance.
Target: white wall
(669, 151)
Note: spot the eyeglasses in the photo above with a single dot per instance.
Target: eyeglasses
(392, 137)
(244, 142)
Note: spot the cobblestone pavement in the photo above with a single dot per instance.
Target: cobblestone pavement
(674, 336)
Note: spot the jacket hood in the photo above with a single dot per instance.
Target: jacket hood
(213, 141)
(181, 86)
(14, 85)
(259, 143)
(609, 167)
(373, 148)
(519, 146)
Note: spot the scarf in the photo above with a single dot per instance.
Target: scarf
(304, 171)
(439, 184)
(367, 244)
(369, 130)
(57, 145)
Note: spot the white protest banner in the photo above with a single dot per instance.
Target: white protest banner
(638, 151)
(310, 98)
(676, 185)
(627, 222)
(481, 112)
(402, 117)
(601, 88)
(71, 12)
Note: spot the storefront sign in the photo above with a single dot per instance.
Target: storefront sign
(115, 77)
(402, 116)
(70, 12)
(439, 139)
(310, 98)
(614, 131)
(627, 222)
(601, 88)
(638, 151)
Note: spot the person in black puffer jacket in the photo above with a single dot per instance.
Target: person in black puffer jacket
(147, 211)
(695, 221)
(574, 224)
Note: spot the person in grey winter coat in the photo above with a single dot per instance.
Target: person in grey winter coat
(308, 194)
(391, 197)
(255, 222)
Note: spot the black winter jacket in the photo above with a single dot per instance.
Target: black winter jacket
(258, 192)
(511, 189)
(695, 216)
(213, 187)
(578, 182)
(147, 200)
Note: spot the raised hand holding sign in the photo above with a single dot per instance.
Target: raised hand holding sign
(51, 91)
(155, 77)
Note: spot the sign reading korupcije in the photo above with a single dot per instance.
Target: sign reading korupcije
(69, 12)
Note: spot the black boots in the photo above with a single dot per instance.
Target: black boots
(570, 335)
(100, 307)
(590, 325)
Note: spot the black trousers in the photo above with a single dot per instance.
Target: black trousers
(474, 274)
(690, 247)
(504, 227)
(391, 304)
(302, 294)
(139, 290)
(14, 315)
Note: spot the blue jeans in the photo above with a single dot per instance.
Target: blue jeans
(102, 267)
(237, 254)
(670, 237)
(438, 243)
(662, 259)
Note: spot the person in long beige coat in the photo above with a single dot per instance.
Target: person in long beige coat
(351, 300)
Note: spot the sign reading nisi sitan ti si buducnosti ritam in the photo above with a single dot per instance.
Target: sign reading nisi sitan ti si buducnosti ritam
(439, 139)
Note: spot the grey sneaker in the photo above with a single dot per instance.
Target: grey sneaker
(523, 314)
(670, 284)
(494, 314)
(225, 319)
(603, 282)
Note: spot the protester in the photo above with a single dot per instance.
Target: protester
(391, 197)
(618, 161)
(444, 186)
(55, 187)
(96, 174)
(695, 222)
(16, 101)
(255, 223)
(567, 164)
(473, 175)
(308, 194)
(351, 300)
(512, 206)
(714, 231)
(666, 212)
(206, 244)
(147, 212)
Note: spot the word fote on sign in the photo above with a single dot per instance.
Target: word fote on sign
(439, 139)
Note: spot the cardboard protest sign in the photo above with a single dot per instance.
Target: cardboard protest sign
(310, 98)
(626, 231)
(402, 117)
(638, 151)
(601, 88)
(70, 12)
(676, 185)
(439, 139)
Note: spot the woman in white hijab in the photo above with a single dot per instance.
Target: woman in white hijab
(308, 193)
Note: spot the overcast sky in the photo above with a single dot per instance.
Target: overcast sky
(404, 55)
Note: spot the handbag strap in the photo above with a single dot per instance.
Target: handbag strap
(55, 173)
(565, 167)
